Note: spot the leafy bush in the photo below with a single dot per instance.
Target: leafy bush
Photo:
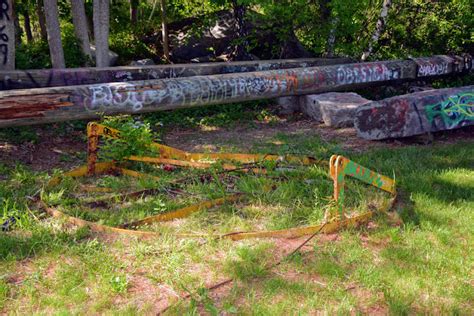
(129, 47)
(36, 55)
(135, 138)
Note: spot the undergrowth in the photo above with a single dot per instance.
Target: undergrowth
(415, 260)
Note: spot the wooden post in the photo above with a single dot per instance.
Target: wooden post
(7, 35)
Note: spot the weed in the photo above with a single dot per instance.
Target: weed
(119, 283)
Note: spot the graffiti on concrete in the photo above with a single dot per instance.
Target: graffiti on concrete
(134, 96)
(456, 111)
(436, 66)
(365, 73)
(65, 77)
(416, 113)
(7, 42)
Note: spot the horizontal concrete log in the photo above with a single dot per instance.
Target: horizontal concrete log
(33, 106)
(43, 78)
(416, 113)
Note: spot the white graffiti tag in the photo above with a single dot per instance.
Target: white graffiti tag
(365, 73)
(120, 96)
(432, 69)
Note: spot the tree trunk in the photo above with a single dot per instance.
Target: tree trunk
(79, 19)
(41, 19)
(7, 36)
(134, 12)
(378, 28)
(18, 29)
(240, 50)
(54, 33)
(331, 43)
(101, 32)
(152, 10)
(164, 30)
(27, 26)
(326, 19)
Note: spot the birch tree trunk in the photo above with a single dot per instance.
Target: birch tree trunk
(79, 19)
(54, 33)
(331, 43)
(378, 28)
(164, 30)
(7, 36)
(101, 32)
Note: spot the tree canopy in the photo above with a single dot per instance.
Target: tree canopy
(323, 27)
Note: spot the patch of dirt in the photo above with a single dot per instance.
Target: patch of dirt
(145, 294)
(365, 298)
(64, 150)
(245, 136)
(50, 151)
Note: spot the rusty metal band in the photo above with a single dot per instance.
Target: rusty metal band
(339, 168)
(174, 156)
(328, 227)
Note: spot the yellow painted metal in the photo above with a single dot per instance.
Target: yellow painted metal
(339, 167)
(165, 152)
(136, 174)
(100, 167)
(329, 227)
(183, 212)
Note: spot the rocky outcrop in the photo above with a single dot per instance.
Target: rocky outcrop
(193, 40)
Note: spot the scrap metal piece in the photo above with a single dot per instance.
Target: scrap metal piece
(339, 167)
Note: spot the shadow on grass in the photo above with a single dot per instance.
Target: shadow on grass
(17, 245)
(405, 207)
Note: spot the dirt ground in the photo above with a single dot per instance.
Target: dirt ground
(62, 151)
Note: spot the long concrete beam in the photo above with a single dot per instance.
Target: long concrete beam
(34, 106)
(44, 78)
(416, 113)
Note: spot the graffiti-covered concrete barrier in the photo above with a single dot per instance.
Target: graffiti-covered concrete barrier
(416, 113)
(44, 78)
(34, 106)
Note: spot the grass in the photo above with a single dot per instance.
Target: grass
(423, 265)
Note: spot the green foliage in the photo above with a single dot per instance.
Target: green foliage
(129, 47)
(33, 56)
(225, 115)
(427, 28)
(36, 55)
(119, 283)
(18, 135)
(413, 27)
(135, 138)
